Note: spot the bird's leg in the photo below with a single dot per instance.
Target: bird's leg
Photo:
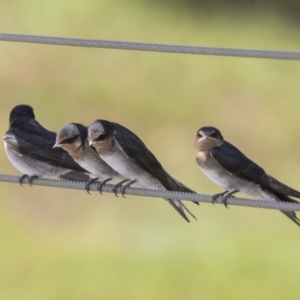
(102, 183)
(216, 196)
(22, 178)
(115, 189)
(127, 186)
(88, 184)
(29, 178)
(224, 199)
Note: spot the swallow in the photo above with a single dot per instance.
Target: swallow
(230, 169)
(73, 139)
(128, 155)
(28, 146)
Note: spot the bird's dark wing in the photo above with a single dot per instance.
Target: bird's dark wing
(31, 126)
(40, 148)
(134, 149)
(279, 187)
(235, 162)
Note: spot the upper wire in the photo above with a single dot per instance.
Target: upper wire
(155, 47)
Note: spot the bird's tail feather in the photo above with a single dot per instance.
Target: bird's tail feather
(182, 188)
(183, 205)
(179, 206)
(290, 214)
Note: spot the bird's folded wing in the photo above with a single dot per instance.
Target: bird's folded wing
(134, 149)
(41, 149)
(236, 163)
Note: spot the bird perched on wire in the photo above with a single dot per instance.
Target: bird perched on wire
(128, 155)
(230, 169)
(73, 139)
(28, 146)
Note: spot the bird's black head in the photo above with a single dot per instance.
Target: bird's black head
(208, 137)
(21, 110)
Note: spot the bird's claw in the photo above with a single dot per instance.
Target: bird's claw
(115, 188)
(88, 185)
(29, 178)
(226, 195)
(126, 186)
(225, 199)
(216, 196)
(102, 183)
(22, 178)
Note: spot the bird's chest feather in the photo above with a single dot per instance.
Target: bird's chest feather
(119, 162)
(213, 170)
(30, 166)
(129, 169)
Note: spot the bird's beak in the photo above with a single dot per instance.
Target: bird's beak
(203, 138)
(91, 143)
(56, 145)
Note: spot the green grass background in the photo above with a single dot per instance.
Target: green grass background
(64, 244)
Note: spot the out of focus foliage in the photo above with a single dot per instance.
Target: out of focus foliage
(288, 8)
(67, 245)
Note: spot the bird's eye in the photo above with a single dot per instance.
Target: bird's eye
(199, 135)
(214, 134)
(70, 140)
(101, 137)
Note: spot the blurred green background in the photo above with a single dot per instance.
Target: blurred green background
(65, 244)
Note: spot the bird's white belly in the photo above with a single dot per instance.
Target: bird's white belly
(128, 169)
(120, 164)
(233, 183)
(255, 191)
(217, 178)
(31, 167)
(92, 167)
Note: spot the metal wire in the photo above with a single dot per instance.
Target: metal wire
(108, 188)
(23, 38)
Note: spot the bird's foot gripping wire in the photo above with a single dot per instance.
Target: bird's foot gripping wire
(29, 178)
(88, 185)
(225, 195)
(102, 184)
(127, 185)
(216, 196)
(225, 198)
(115, 189)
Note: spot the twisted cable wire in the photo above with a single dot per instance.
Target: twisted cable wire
(108, 188)
(154, 47)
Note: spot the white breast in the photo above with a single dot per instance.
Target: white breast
(18, 161)
(31, 167)
(128, 169)
(121, 164)
(218, 179)
(230, 183)
(91, 166)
